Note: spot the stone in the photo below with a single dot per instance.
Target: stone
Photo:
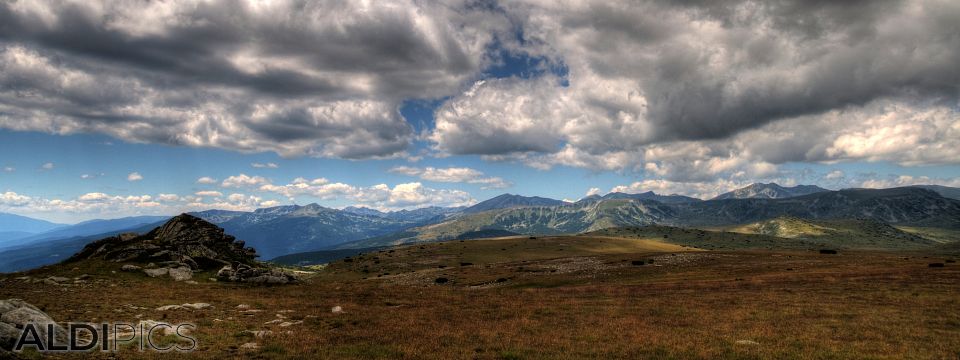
(198, 306)
(170, 307)
(747, 342)
(8, 336)
(250, 346)
(336, 310)
(181, 273)
(260, 334)
(25, 315)
(243, 307)
(156, 272)
(59, 279)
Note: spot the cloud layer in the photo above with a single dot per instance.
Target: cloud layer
(693, 92)
(320, 78)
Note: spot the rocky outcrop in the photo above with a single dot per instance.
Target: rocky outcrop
(184, 245)
(254, 275)
(184, 239)
(15, 314)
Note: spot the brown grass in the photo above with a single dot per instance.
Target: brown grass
(798, 305)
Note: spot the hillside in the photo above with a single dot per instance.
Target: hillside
(649, 195)
(566, 219)
(900, 206)
(849, 233)
(29, 256)
(285, 230)
(770, 191)
(507, 201)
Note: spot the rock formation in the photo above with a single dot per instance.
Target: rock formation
(15, 314)
(184, 245)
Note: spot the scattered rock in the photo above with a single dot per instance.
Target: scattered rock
(274, 321)
(336, 310)
(260, 334)
(181, 273)
(828, 252)
(156, 272)
(243, 307)
(15, 314)
(170, 307)
(255, 275)
(130, 268)
(250, 346)
(59, 279)
(289, 324)
(747, 342)
(197, 306)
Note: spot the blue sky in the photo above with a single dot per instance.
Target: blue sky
(404, 105)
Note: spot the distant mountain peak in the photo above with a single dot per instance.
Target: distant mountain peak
(770, 191)
(506, 201)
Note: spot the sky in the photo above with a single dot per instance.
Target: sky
(122, 108)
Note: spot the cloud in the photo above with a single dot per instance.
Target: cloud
(701, 190)
(740, 87)
(206, 180)
(47, 166)
(593, 191)
(243, 180)
(91, 205)
(9, 169)
(381, 196)
(134, 176)
(168, 197)
(208, 193)
(453, 174)
(835, 175)
(300, 79)
(268, 165)
(12, 199)
(907, 180)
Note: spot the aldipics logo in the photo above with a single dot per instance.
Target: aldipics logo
(81, 337)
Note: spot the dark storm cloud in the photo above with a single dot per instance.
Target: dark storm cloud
(658, 72)
(296, 77)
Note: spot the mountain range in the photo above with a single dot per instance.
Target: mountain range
(284, 230)
(770, 191)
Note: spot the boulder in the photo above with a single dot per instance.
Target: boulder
(8, 336)
(181, 273)
(255, 275)
(23, 315)
(156, 272)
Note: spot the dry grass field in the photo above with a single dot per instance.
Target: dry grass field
(546, 298)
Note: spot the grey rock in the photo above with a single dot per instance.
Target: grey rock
(8, 336)
(156, 272)
(130, 268)
(181, 273)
